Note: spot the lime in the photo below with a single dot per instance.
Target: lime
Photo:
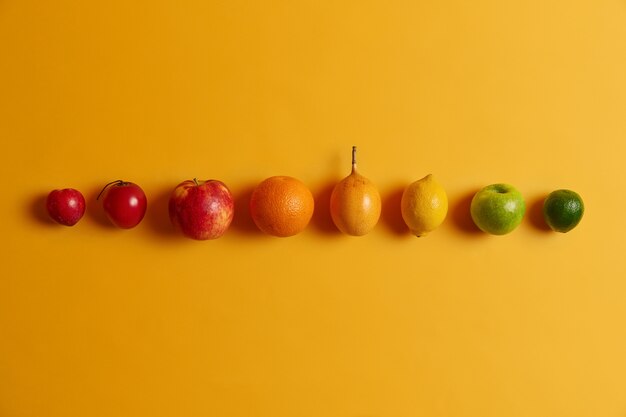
(562, 210)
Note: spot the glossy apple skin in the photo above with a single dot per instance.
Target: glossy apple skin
(498, 209)
(202, 210)
(125, 204)
(66, 206)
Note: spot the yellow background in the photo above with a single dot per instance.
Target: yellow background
(96, 321)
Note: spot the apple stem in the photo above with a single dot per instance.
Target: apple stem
(117, 182)
(195, 180)
(353, 158)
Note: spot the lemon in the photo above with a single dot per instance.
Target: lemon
(424, 205)
(562, 210)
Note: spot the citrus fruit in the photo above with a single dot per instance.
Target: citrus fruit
(498, 209)
(281, 206)
(562, 210)
(355, 203)
(424, 205)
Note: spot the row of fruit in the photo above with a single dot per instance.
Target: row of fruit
(283, 206)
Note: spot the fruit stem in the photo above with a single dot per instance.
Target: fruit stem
(118, 182)
(354, 158)
(195, 180)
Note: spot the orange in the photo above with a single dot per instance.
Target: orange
(281, 206)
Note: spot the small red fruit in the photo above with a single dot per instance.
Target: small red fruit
(124, 203)
(66, 206)
(201, 209)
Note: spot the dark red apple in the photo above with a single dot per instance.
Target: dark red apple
(201, 209)
(124, 203)
(66, 206)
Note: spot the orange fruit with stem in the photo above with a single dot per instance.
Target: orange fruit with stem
(355, 203)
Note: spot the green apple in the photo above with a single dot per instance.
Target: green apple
(498, 209)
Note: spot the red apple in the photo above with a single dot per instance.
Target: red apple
(66, 206)
(124, 203)
(201, 209)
